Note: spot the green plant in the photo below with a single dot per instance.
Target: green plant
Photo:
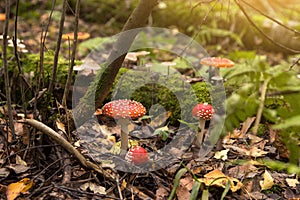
(265, 91)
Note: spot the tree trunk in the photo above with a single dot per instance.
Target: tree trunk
(100, 87)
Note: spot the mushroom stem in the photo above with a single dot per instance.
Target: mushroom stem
(217, 72)
(124, 133)
(201, 133)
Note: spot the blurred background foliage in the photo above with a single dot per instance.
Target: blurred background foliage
(218, 25)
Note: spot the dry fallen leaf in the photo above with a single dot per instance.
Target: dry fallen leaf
(2, 16)
(98, 111)
(187, 182)
(292, 182)
(242, 171)
(273, 134)
(80, 36)
(253, 152)
(18, 129)
(256, 152)
(97, 188)
(160, 119)
(93, 187)
(124, 184)
(217, 178)
(247, 124)
(182, 192)
(20, 166)
(19, 161)
(61, 126)
(15, 189)
(77, 143)
(161, 193)
(4, 172)
(254, 138)
(221, 154)
(268, 181)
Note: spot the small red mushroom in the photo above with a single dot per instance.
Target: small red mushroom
(217, 62)
(123, 110)
(203, 112)
(137, 155)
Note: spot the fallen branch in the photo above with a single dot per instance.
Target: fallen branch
(66, 145)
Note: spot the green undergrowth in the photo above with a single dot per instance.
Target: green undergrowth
(159, 92)
(30, 68)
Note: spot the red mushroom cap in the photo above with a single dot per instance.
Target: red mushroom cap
(137, 155)
(124, 108)
(217, 62)
(203, 111)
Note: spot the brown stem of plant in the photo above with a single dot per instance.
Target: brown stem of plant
(5, 67)
(137, 19)
(57, 49)
(70, 72)
(20, 73)
(66, 145)
(261, 104)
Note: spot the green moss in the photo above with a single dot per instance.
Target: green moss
(30, 63)
(30, 68)
(202, 92)
(274, 102)
(262, 129)
(156, 91)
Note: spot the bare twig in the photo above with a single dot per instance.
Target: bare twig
(21, 77)
(261, 32)
(261, 104)
(57, 49)
(295, 63)
(271, 18)
(42, 48)
(5, 67)
(40, 68)
(201, 2)
(68, 83)
(200, 25)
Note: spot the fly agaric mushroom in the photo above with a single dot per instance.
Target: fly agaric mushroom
(137, 155)
(2, 16)
(80, 36)
(123, 110)
(203, 112)
(218, 63)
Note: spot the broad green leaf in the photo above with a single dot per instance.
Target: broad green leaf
(227, 188)
(195, 190)
(292, 121)
(205, 195)
(190, 125)
(176, 182)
